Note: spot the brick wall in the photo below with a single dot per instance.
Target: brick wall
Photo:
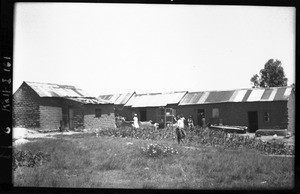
(126, 112)
(151, 114)
(78, 113)
(78, 118)
(26, 107)
(66, 104)
(50, 117)
(291, 113)
(107, 119)
(237, 113)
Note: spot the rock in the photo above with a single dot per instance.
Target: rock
(288, 135)
(19, 133)
(21, 141)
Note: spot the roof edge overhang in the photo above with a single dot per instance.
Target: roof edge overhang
(134, 93)
(173, 104)
(261, 101)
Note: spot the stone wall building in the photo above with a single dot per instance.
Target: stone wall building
(52, 106)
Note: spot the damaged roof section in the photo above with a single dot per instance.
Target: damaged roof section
(241, 95)
(56, 90)
(155, 99)
(66, 92)
(88, 100)
(118, 99)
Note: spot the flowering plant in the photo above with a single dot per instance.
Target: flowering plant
(158, 150)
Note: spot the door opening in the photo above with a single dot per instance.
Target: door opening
(200, 116)
(143, 114)
(71, 118)
(252, 121)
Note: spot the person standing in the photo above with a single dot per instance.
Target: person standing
(203, 120)
(182, 126)
(190, 122)
(135, 122)
(180, 133)
(183, 121)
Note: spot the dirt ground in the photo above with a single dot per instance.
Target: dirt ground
(29, 133)
(23, 135)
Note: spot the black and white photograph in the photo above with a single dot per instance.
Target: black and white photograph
(153, 96)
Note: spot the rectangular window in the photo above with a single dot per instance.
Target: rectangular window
(267, 117)
(98, 113)
(215, 113)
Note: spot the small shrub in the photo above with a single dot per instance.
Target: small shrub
(27, 158)
(158, 150)
(205, 137)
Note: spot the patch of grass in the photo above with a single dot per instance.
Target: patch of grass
(149, 185)
(111, 163)
(90, 161)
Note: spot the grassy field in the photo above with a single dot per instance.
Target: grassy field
(84, 160)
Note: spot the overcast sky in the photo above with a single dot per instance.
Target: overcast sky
(116, 48)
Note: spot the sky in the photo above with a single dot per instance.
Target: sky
(117, 48)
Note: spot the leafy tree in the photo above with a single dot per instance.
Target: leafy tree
(271, 76)
(255, 81)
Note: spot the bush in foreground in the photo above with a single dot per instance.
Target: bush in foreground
(158, 150)
(206, 137)
(29, 159)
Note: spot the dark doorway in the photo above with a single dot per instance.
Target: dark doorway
(71, 118)
(200, 116)
(252, 121)
(143, 114)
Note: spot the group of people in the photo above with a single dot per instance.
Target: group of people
(180, 127)
(180, 123)
(120, 119)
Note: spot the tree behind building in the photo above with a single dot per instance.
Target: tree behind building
(271, 76)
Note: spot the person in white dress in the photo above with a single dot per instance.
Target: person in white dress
(135, 122)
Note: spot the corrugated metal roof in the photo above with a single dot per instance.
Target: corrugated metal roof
(155, 99)
(117, 98)
(56, 90)
(241, 95)
(89, 100)
(220, 96)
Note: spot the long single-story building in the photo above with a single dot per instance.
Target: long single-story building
(119, 100)
(256, 108)
(158, 107)
(52, 106)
